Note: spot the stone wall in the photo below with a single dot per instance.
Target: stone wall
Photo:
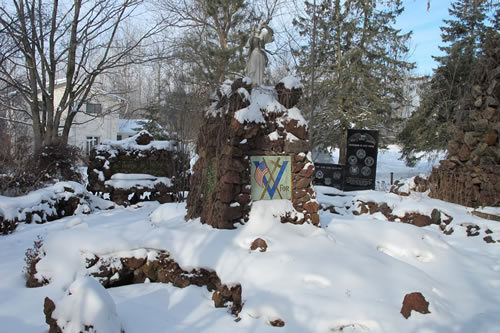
(470, 175)
(243, 122)
(136, 169)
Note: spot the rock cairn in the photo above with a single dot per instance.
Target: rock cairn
(470, 175)
(136, 169)
(243, 122)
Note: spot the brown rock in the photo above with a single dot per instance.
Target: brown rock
(133, 263)
(476, 90)
(302, 183)
(297, 166)
(315, 218)
(226, 193)
(491, 87)
(480, 125)
(471, 139)
(478, 102)
(490, 112)
(300, 158)
(490, 138)
(448, 232)
(299, 131)
(491, 101)
(473, 230)
(464, 154)
(237, 127)
(311, 207)
(436, 216)
(297, 194)
(260, 244)
(453, 148)
(307, 172)
(232, 213)
(144, 139)
(48, 309)
(417, 219)
(277, 323)
(243, 198)
(385, 209)
(231, 177)
(296, 146)
(416, 302)
(488, 239)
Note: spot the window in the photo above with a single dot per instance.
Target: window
(118, 137)
(92, 141)
(93, 108)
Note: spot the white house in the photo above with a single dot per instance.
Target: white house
(97, 119)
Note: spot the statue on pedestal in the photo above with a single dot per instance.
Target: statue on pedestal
(257, 58)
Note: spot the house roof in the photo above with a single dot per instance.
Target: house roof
(130, 126)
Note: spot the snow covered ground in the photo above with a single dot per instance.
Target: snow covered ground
(350, 275)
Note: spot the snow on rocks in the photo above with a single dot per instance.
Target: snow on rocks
(256, 123)
(47, 204)
(350, 275)
(86, 307)
(135, 169)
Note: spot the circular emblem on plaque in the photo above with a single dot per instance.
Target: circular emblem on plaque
(328, 181)
(352, 160)
(366, 171)
(361, 153)
(337, 175)
(319, 174)
(370, 161)
(354, 170)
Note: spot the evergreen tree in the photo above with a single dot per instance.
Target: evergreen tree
(213, 37)
(430, 127)
(360, 65)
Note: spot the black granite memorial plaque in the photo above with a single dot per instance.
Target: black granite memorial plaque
(329, 175)
(361, 160)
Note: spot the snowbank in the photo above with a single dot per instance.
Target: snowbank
(87, 306)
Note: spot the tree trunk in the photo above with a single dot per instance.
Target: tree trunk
(343, 147)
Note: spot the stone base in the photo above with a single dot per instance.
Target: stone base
(468, 186)
(221, 181)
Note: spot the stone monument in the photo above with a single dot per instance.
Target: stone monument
(253, 145)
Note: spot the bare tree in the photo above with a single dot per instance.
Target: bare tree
(49, 43)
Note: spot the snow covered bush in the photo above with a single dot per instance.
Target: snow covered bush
(32, 257)
(86, 307)
(34, 171)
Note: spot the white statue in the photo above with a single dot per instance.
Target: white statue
(257, 58)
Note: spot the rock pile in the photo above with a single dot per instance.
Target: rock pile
(141, 265)
(136, 169)
(244, 122)
(44, 205)
(414, 218)
(470, 175)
